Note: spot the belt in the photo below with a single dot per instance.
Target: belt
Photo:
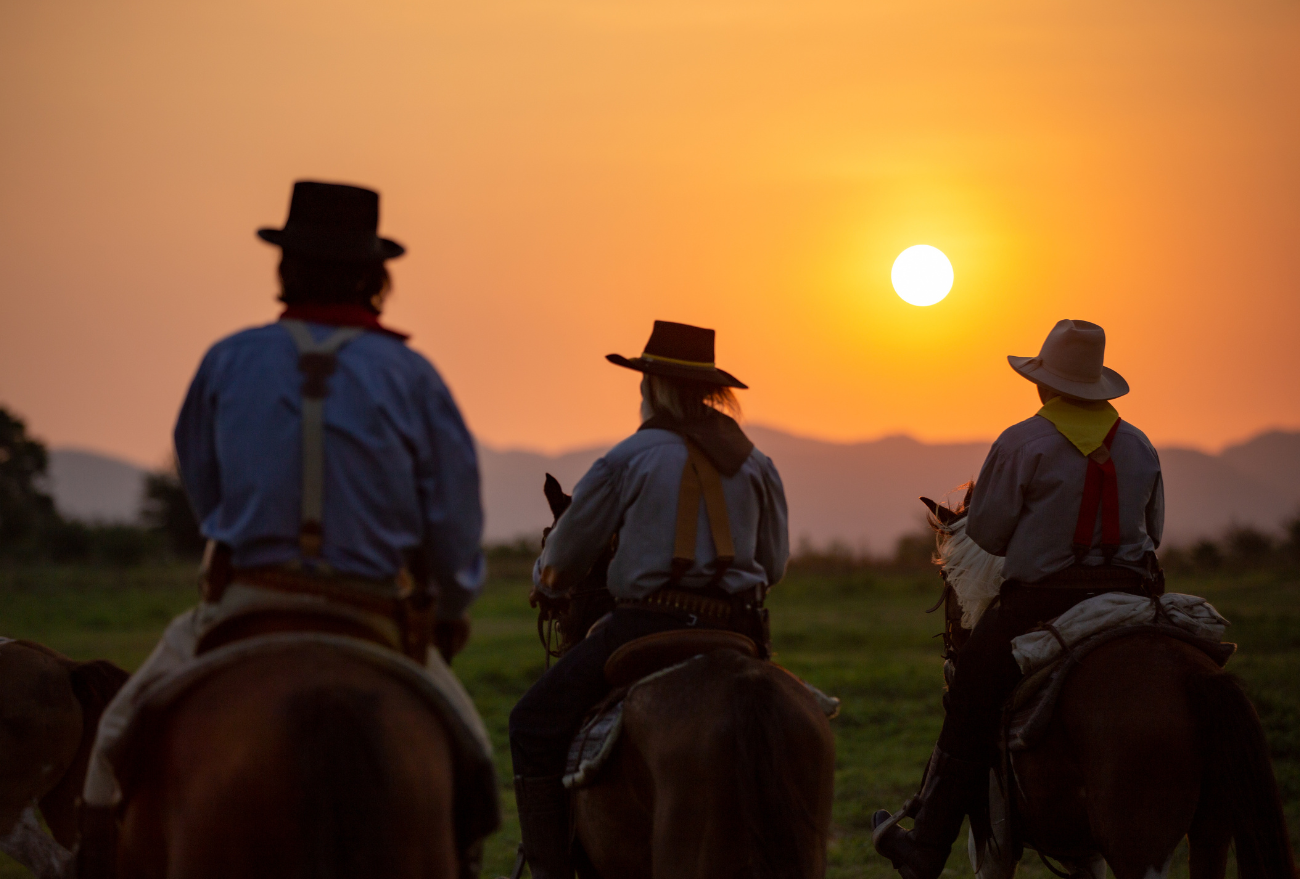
(711, 603)
(1089, 576)
(377, 596)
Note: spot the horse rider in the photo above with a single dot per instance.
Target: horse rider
(661, 576)
(328, 466)
(1074, 500)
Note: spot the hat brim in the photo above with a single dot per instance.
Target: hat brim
(711, 375)
(1108, 387)
(375, 248)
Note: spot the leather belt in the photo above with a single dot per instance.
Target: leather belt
(712, 604)
(377, 596)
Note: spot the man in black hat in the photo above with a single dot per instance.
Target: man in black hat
(735, 548)
(1073, 499)
(329, 468)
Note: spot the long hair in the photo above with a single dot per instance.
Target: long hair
(685, 400)
(307, 280)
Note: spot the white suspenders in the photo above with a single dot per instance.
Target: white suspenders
(316, 361)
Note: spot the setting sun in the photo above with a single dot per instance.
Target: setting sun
(922, 275)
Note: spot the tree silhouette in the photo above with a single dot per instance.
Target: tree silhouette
(26, 510)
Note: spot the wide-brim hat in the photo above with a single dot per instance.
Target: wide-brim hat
(1071, 363)
(333, 221)
(679, 351)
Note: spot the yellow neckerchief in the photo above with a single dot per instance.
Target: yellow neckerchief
(1083, 423)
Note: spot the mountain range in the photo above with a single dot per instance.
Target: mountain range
(860, 495)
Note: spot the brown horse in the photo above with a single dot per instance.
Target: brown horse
(49, 711)
(724, 768)
(1150, 742)
(305, 763)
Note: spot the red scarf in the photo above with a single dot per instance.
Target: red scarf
(340, 315)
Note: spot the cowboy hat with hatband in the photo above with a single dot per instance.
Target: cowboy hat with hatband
(333, 221)
(679, 351)
(1070, 363)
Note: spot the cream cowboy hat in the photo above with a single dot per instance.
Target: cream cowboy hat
(1070, 363)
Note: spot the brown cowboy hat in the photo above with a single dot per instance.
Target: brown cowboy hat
(679, 351)
(333, 221)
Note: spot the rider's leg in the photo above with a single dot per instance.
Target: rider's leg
(957, 776)
(958, 770)
(97, 842)
(544, 722)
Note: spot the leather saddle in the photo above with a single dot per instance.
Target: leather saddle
(650, 653)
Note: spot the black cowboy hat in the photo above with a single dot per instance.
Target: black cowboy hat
(333, 221)
(679, 351)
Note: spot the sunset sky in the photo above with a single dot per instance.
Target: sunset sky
(563, 173)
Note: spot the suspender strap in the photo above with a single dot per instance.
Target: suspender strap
(316, 361)
(1100, 489)
(700, 478)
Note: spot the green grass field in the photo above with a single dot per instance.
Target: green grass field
(861, 636)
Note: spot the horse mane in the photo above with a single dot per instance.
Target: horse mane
(975, 576)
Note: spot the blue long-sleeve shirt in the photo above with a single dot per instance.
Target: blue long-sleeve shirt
(400, 467)
(632, 491)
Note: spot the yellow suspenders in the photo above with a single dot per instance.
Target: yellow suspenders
(700, 477)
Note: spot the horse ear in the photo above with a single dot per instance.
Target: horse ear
(555, 496)
(970, 491)
(939, 511)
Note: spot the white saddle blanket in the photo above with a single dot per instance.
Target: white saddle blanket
(1114, 610)
(592, 746)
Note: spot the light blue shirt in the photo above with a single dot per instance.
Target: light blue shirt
(1026, 500)
(632, 491)
(400, 466)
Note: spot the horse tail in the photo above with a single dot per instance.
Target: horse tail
(341, 767)
(1239, 776)
(778, 825)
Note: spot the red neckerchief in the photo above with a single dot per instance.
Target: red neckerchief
(341, 315)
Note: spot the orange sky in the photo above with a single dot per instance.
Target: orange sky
(562, 173)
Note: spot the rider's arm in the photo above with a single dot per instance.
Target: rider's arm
(772, 547)
(583, 532)
(196, 443)
(448, 479)
(998, 498)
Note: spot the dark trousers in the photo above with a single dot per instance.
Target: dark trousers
(987, 673)
(548, 716)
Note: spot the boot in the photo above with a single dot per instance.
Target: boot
(544, 825)
(950, 790)
(97, 846)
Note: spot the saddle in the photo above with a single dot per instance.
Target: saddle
(650, 653)
(638, 662)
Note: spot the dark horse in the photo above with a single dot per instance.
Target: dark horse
(305, 763)
(724, 768)
(1151, 741)
(49, 711)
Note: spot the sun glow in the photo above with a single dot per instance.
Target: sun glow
(922, 275)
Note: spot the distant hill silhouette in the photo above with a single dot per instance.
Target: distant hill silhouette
(862, 495)
(93, 487)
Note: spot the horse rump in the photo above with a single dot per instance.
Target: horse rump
(776, 811)
(341, 766)
(1239, 781)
